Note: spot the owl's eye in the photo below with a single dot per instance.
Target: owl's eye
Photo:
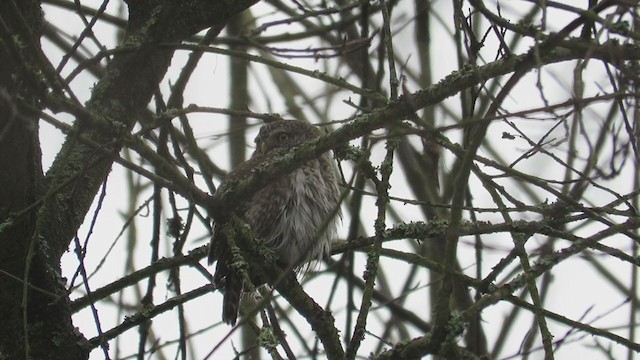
(283, 137)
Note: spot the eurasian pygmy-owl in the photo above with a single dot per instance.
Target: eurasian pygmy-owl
(295, 215)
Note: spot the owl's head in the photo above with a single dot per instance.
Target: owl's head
(283, 135)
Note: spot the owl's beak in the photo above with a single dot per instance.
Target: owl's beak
(263, 147)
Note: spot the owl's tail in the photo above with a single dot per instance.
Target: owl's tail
(231, 301)
(225, 278)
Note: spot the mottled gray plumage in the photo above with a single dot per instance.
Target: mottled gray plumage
(288, 214)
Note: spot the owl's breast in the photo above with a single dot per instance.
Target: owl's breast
(296, 215)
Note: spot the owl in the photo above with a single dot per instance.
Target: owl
(295, 215)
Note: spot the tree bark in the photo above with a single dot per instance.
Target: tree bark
(35, 323)
(40, 215)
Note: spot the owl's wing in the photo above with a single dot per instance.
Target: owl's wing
(215, 245)
(219, 251)
(225, 279)
(218, 248)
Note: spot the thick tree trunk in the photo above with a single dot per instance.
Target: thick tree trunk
(40, 215)
(36, 323)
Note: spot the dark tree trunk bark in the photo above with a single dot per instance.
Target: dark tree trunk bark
(36, 323)
(40, 215)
